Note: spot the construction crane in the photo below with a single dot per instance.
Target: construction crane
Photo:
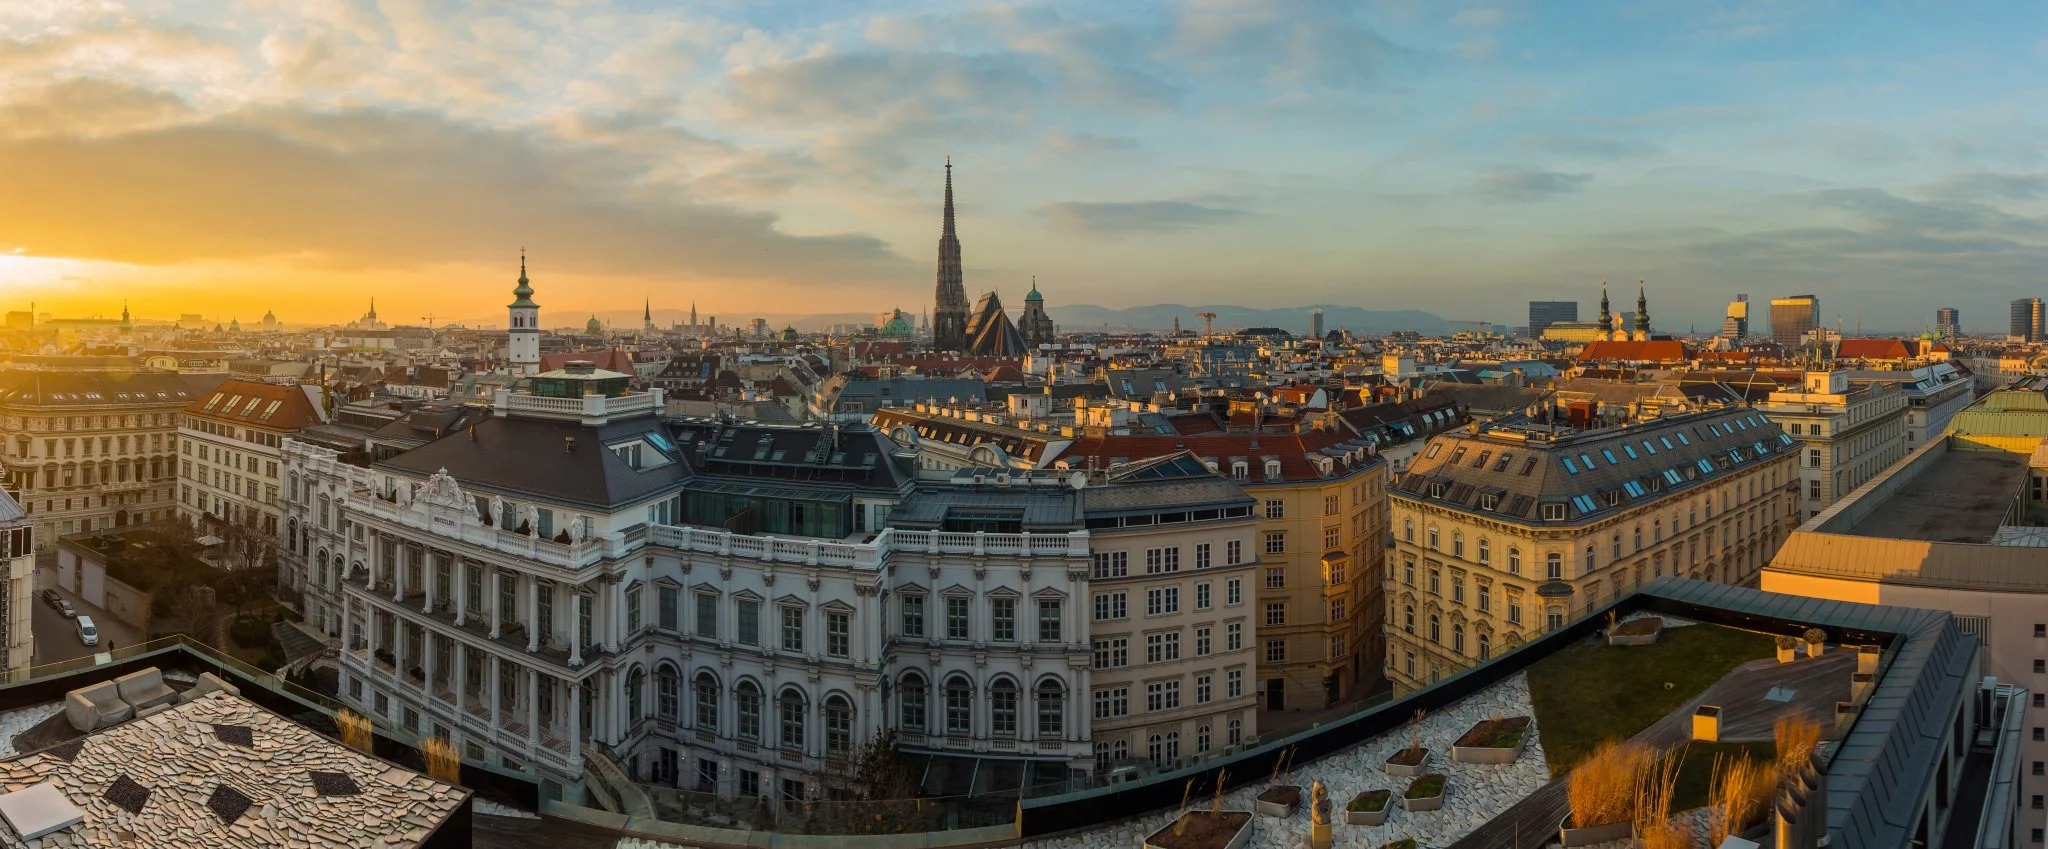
(1208, 323)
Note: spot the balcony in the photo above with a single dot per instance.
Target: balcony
(588, 409)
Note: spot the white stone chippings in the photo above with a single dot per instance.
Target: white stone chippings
(481, 806)
(17, 721)
(1670, 621)
(1475, 795)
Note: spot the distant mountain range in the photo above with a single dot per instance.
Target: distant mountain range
(1084, 317)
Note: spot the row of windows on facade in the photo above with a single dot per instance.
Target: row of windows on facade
(1164, 695)
(60, 424)
(1165, 601)
(746, 613)
(103, 472)
(83, 447)
(86, 502)
(1164, 560)
(1163, 748)
(1276, 508)
(1164, 647)
(208, 452)
(1554, 561)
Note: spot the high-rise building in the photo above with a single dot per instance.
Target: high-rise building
(1736, 325)
(1948, 323)
(1543, 314)
(1315, 323)
(949, 314)
(1792, 317)
(2027, 320)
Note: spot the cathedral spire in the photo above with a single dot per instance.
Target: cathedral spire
(1606, 316)
(949, 199)
(949, 314)
(1642, 310)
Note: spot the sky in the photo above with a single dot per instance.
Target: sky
(229, 157)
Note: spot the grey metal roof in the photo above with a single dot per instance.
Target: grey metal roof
(1047, 506)
(528, 457)
(1882, 771)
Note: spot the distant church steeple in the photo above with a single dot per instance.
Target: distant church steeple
(1642, 311)
(949, 315)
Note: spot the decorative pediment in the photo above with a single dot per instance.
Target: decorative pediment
(1049, 593)
(837, 607)
(748, 595)
(705, 587)
(1003, 592)
(956, 591)
(791, 600)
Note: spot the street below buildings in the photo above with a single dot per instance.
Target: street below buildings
(56, 638)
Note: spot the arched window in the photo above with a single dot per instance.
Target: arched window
(636, 690)
(668, 693)
(1435, 629)
(1485, 647)
(1485, 552)
(1514, 561)
(959, 705)
(1052, 709)
(707, 701)
(1657, 525)
(1639, 541)
(1553, 566)
(747, 699)
(1458, 639)
(912, 700)
(790, 711)
(1002, 708)
(1617, 544)
(1155, 745)
(1408, 619)
(838, 725)
(1408, 529)
(1589, 558)
(1457, 543)
(1433, 538)
(291, 534)
(324, 521)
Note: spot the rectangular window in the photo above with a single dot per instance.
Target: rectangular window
(1003, 619)
(1276, 577)
(1162, 695)
(1233, 552)
(1162, 648)
(793, 629)
(1111, 606)
(1202, 641)
(1233, 592)
(1111, 564)
(1112, 654)
(749, 623)
(1276, 651)
(707, 615)
(1233, 684)
(956, 617)
(838, 633)
(632, 610)
(1276, 509)
(1333, 538)
(1048, 620)
(1233, 636)
(913, 615)
(1276, 613)
(1201, 555)
(671, 599)
(1112, 703)
(1160, 561)
(1276, 542)
(1202, 596)
(1202, 687)
(1161, 601)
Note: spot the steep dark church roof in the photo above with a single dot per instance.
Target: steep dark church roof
(989, 331)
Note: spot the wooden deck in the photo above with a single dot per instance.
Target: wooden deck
(1746, 716)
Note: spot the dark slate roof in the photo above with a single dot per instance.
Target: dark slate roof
(853, 456)
(101, 388)
(528, 457)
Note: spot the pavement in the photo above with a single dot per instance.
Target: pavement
(56, 638)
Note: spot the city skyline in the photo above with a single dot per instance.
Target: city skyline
(308, 158)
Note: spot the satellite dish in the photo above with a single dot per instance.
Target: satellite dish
(1078, 481)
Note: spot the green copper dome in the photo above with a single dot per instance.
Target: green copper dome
(593, 325)
(523, 296)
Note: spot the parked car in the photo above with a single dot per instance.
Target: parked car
(64, 607)
(87, 634)
(50, 597)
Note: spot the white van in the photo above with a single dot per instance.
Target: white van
(86, 632)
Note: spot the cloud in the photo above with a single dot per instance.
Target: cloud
(89, 108)
(1478, 48)
(1304, 42)
(1589, 147)
(1522, 184)
(365, 188)
(1705, 114)
(1060, 141)
(1113, 219)
(1981, 185)
(1476, 18)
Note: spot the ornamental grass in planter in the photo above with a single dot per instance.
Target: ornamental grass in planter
(1492, 741)
(1426, 792)
(1413, 759)
(1368, 808)
(1602, 793)
(1214, 828)
(1280, 798)
(1816, 641)
(1737, 796)
(1786, 647)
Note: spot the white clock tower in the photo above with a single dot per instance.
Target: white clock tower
(522, 347)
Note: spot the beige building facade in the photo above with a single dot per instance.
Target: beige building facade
(1847, 433)
(1515, 528)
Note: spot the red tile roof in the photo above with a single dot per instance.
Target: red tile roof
(1873, 349)
(263, 405)
(610, 359)
(1653, 351)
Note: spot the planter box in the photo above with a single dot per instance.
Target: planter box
(1635, 633)
(1426, 803)
(1493, 754)
(1233, 832)
(1378, 817)
(1786, 654)
(1572, 837)
(1407, 771)
(1706, 724)
(1282, 808)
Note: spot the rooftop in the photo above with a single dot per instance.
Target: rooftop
(1961, 497)
(185, 777)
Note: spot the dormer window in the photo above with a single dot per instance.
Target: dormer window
(1272, 469)
(1553, 512)
(1488, 502)
(1436, 489)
